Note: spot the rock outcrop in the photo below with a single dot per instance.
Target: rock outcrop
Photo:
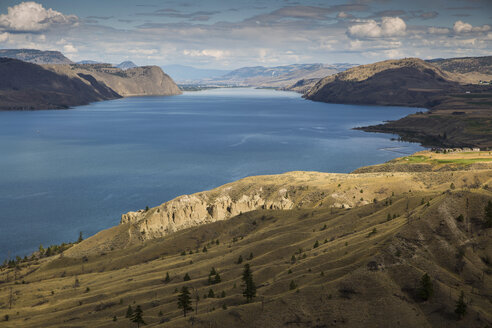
(192, 210)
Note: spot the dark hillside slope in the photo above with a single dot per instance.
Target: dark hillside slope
(408, 82)
(29, 86)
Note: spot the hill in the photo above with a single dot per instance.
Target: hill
(138, 81)
(279, 76)
(405, 82)
(324, 249)
(36, 56)
(189, 74)
(466, 69)
(460, 114)
(126, 65)
(29, 86)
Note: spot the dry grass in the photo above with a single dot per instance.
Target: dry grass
(364, 275)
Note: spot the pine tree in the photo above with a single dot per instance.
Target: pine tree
(292, 285)
(316, 244)
(211, 293)
(217, 278)
(250, 256)
(240, 259)
(460, 306)
(426, 289)
(184, 300)
(186, 277)
(249, 286)
(137, 317)
(80, 237)
(129, 312)
(167, 279)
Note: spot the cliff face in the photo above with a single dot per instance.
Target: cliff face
(192, 210)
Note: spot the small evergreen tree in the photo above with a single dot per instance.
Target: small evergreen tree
(217, 279)
(250, 256)
(167, 279)
(184, 300)
(240, 259)
(204, 249)
(249, 286)
(80, 237)
(460, 306)
(137, 317)
(186, 277)
(211, 293)
(316, 244)
(292, 285)
(129, 312)
(426, 289)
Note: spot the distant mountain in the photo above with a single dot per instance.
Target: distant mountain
(88, 62)
(36, 56)
(126, 65)
(189, 74)
(279, 76)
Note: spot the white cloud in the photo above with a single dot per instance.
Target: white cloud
(215, 53)
(462, 27)
(70, 49)
(388, 27)
(4, 36)
(33, 17)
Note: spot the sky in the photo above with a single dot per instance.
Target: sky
(235, 33)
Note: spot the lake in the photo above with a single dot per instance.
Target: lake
(65, 171)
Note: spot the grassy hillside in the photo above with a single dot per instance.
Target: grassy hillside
(317, 264)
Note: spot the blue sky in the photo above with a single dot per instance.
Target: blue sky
(235, 33)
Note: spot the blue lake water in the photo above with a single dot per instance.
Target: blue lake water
(67, 171)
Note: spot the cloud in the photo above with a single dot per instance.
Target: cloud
(33, 17)
(460, 27)
(70, 49)
(215, 53)
(388, 27)
(344, 15)
(4, 36)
